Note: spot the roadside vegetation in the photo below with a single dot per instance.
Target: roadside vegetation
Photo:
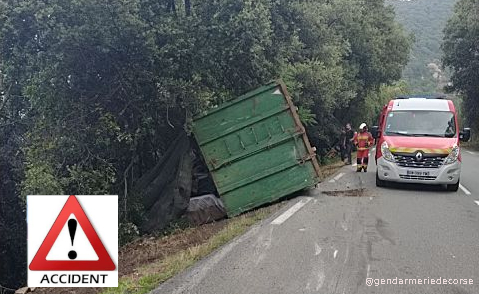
(461, 55)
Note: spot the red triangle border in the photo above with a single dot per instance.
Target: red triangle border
(40, 262)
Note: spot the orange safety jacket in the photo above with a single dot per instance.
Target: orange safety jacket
(363, 140)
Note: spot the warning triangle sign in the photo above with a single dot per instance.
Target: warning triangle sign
(40, 262)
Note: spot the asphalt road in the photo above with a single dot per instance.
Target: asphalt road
(348, 230)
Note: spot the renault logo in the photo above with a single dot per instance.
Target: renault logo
(419, 156)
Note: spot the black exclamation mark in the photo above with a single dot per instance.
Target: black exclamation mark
(72, 227)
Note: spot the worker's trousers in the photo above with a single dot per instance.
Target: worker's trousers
(362, 159)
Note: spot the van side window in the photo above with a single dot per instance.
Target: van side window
(451, 128)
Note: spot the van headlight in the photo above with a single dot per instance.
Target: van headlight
(386, 153)
(453, 155)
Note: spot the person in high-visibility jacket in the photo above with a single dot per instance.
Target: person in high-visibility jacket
(363, 140)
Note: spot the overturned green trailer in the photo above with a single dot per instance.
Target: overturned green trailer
(256, 148)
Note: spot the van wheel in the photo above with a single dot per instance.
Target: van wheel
(379, 182)
(453, 187)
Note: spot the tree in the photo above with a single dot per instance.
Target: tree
(461, 55)
(340, 52)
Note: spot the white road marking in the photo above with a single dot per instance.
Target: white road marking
(476, 201)
(336, 178)
(317, 248)
(320, 281)
(471, 152)
(466, 191)
(347, 255)
(288, 213)
(368, 269)
(335, 253)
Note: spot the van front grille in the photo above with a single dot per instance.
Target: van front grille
(405, 160)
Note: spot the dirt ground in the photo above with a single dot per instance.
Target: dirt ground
(328, 170)
(147, 250)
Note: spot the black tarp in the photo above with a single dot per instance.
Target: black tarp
(166, 189)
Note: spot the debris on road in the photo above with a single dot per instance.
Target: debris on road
(205, 209)
(349, 193)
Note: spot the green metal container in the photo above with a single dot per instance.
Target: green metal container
(256, 148)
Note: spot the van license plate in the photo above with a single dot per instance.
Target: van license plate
(417, 173)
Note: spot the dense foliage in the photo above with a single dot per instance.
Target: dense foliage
(461, 54)
(425, 19)
(93, 92)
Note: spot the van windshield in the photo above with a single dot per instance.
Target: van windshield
(420, 123)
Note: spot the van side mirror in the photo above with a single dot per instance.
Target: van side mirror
(375, 131)
(465, 134)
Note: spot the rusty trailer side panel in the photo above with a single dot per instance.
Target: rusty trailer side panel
(256, 148)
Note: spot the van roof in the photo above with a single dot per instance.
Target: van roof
(421, 104)
(426, 96)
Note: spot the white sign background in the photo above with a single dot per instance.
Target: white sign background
(101, 210)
